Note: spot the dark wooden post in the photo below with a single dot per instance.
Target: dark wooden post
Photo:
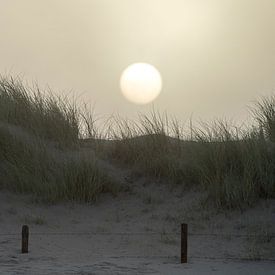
(25, 239)
(183, 243)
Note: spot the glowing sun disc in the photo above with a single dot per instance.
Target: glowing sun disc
(141, 83)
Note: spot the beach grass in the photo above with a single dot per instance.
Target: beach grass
(41, 138)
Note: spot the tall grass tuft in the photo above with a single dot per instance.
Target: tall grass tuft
(39, 151)
(264, 112)
(236, 167)
(29, 164)
(42, 114)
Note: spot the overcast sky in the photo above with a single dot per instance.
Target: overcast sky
(215, 56)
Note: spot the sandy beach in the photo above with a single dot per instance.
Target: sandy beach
(136, 232)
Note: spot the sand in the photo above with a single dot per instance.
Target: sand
(136, 232)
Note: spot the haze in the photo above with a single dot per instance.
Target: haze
(215, 56)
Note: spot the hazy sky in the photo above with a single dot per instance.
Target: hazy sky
(215, 56)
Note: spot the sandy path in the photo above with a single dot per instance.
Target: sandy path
(43, 263)
(143, 209)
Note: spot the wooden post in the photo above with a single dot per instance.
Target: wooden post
(25, 239)
(184, 243)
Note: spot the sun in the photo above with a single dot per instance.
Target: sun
(141, 83)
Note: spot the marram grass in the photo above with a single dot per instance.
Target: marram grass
(41, 151)
(32, 165)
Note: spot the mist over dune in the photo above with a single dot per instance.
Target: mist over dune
(137, 137)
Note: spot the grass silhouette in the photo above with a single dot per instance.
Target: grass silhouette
(42, 137)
